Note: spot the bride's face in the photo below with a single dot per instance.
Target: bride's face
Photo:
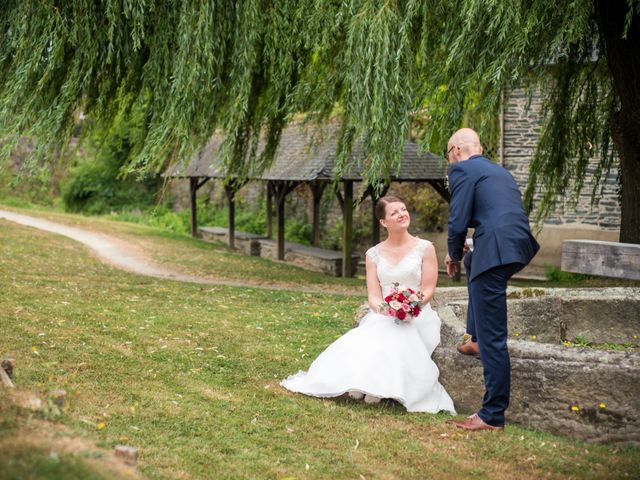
(396, 216)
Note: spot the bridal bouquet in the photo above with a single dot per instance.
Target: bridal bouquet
(402, 303)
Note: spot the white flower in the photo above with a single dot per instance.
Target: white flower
(396, 305)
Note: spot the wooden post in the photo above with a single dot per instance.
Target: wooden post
(375, 226)
(269, 209)
(347, 233)
(231, 203)
(193, 189)
(317, 188)
(280, 220)
(281, 190)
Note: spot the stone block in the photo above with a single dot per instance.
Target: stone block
(586, 393)
(128, 454)
(247, 243)
(58, 397)
(8, 364)
(313, 259)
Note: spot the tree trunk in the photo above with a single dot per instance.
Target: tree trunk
(623, 56)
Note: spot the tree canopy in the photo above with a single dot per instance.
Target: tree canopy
(248, 67)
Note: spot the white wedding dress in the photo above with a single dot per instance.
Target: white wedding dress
(381, 358)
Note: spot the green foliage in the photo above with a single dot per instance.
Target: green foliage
(429, 210)
(98, 183)
(248, 67)
(23, 183)
(95, 187)
(554, 274)
(162, 216)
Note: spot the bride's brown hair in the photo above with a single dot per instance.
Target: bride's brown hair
(381, 206)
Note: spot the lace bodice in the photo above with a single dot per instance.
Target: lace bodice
(407, 272)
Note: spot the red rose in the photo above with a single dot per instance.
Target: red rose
(401, 314)
(401, 298)
(410, 290)
(416, 311)
(387, 298)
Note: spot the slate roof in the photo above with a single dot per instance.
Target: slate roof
(305, 154)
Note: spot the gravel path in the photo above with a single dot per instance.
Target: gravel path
(120, 254)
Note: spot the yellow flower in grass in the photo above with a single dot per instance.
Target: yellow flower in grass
(602, 406)
(567, 343)
(534, 337)
(575, 408)
(101, 425)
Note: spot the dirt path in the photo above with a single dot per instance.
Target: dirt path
(121, 254)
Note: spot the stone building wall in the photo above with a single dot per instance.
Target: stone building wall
(521, 131)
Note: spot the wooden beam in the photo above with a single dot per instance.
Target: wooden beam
(347, 233)
(375, 224)
(194, 186)
(339, 197)
(204, 180)
(193, 189)
(269, 209)
(317, 188)
(281, 190)
(230, 191)
(440, 186)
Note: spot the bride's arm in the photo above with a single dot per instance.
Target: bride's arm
(429, 273)
(373, 285)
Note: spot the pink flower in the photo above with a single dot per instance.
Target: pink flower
(406, 307)
(392, 312)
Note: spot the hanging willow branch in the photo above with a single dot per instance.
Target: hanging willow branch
(247, 67)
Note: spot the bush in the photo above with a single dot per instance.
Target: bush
(98, 184)
(554, 274)
(95, 187)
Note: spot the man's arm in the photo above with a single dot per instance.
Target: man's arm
(460, 210)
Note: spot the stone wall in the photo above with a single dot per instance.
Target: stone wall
(521, 131)
(585, 393)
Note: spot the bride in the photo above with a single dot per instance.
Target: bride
(382, 359)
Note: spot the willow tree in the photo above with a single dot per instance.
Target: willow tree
(247, 67)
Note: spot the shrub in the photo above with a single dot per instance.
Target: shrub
(554, 274)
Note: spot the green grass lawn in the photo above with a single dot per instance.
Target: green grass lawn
(188, 374)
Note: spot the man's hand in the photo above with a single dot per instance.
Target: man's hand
(452, 266)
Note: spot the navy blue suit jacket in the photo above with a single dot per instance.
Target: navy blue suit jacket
(484, 196)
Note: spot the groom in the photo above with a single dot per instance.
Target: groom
(484, 196)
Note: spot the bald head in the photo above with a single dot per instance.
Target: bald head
(463, 144)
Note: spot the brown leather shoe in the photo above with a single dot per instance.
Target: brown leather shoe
(469, 347)
(474, 422)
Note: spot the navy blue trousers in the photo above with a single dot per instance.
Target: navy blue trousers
(487, 324)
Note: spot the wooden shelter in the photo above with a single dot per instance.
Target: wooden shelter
(307, 155)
